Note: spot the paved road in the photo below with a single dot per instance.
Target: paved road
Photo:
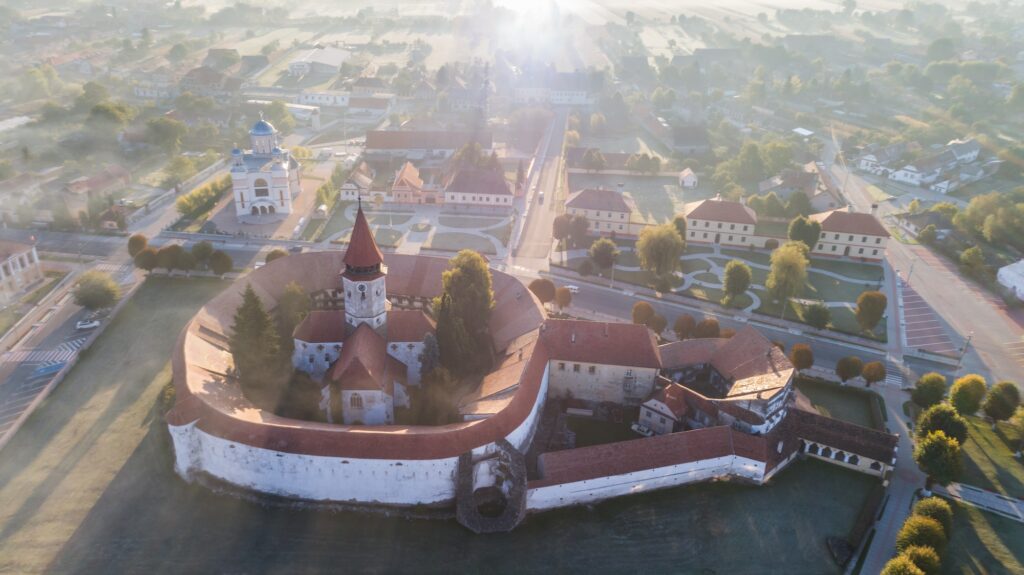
(536, 239)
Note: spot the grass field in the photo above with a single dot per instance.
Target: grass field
(838, 402)
(455, 241)
(62, 463)
(988, 459)
(468, 221)
(983, 542)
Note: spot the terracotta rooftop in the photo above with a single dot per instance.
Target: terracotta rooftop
(600, 199)
(478, 181)
(321, 327)
(365, 364)
(756, 366)
(721, 211)
(409, 325)
(606, 343)
(838, 434)
(846, 222)
(362, 249)
(688, 352)
(674, 397)
(410, 176)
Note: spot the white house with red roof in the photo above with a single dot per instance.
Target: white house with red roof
(850, 234)
(608, 212)
(665, 411)
(718, 221)
(475, 189)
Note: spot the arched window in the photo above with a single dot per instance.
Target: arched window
(356, 401)
(260, 188)
(876, 466)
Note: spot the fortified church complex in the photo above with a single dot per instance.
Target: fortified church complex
(720, 408)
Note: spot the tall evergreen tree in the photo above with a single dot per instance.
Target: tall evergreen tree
(254, 344)
(464, 312)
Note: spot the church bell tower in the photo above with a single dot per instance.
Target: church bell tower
(363, 280)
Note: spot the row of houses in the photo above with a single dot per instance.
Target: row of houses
(944, 170)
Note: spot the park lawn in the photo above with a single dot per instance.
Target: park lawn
(61, 463)
(983, 542)
(756, 257)
(690, 266)
(692, 249)
(858, 271)
(826, 288)
(708, 277)
(455, 241)
(468, 221)
(772, 229)
(845, 320)
(988, 459)
(386, 237)
(501, 233)
(705, 293)
(338, 222)
(838, 402)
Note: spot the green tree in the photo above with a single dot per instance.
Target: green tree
(544, 289)
(942, 417)
(937, 509)
(579, 230)
(96, 290)
(110, 116)
(928, 235)
(430, 357)
(680, 223)
(788, 274)
(873, 372)
(604, 253)
(586, 268)
(278, 115)
(179, 169)
(274, 254)
(137, 243)
(255, 346)
(92, 93)
(938, 455)
(901, 565)
(749, 165)
(220, 262)
(593, 160)
(777, 156)
(563, 298)
(177, 53)
(870, 309)
(801, 356)
(707, 328)
(736, 279)
(817, 315)
(202, 252)
(465, 306)
(147, 259)
(802, 229)
(292, 307)
(929, 390)
(799, 205)
(967, 393)
(1001, 401)
(168, 256)
(684, 326)
(924, 558)
(561, 227)
(1017, 424)
(166, 133)
(642, 312)
(941, 49)
(973, 261)
(660, 248)
(849, 367)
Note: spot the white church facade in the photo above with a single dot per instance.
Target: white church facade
(265, 179)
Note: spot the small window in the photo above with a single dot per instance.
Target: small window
(864, 239)
(561, 366)
(629, 373)
(850, 239)
(874, 252)
(705, 235)
(860, 251)
(591, 370)
(356, 401)
(575, 368)
(662, 419)
(878, 240)
(833, 247)
(732, 226)
(730, 237)
(312, 358)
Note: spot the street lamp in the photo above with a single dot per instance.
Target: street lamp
(963, 352)
(911, 272)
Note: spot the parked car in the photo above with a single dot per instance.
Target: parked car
(295, 249)
(641, 429)
(573, 288)
(87, 324)
(540, 197)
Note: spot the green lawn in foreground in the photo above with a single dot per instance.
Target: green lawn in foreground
(455, 241)
(338, 222)
(468, 221)
(988, 459)
(983, 542)
(63, 461)
(832, 400)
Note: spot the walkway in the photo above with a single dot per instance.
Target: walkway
(996, 503)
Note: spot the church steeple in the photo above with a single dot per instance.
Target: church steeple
(366, 298)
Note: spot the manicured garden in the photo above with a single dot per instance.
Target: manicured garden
(455, 241)
(849, 404)
(983, 542)
(988, 458)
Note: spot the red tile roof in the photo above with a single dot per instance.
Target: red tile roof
(838, 434)
(600, 199)
(365, 364)
(362, 249)
(721, 211)
(624, 344)
(477, 181)
(846, 222)
(409, 325)
(674, 397)
(321, 327)
(688, 352)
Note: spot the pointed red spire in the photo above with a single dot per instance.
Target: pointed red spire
(362, 248)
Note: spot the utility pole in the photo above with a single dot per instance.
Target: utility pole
(963, 352)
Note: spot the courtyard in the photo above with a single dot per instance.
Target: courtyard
(90, 488)
(658, 198)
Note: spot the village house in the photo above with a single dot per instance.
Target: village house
(688, 179)
(205, 81)
(474, 189)
(422, 144)
(1011, 277)
(78, 192)
(850, 234)
(374, 107)
(880, 160)
(325, 98)
(19, 269)
(608, 212)
(914, 223)
(718, 221)
(159, 84)
(409, 188)
(369, 86)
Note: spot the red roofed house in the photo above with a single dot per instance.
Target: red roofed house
(608, 212)
(718, 221)
(366, 353)
(475, 189)
(664, 412)
(79, 191)
(850, 234)
(409, 188)
(599, 362)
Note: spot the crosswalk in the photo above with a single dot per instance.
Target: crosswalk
(894, 375)
(63, 352)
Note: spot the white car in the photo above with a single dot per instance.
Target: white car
(87, 324)
(573, 288)
(642, 429)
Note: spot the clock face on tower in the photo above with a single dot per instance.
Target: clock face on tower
(362, 287)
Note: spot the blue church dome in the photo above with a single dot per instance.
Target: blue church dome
(262, 128)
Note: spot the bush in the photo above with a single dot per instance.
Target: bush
(586, 268)
(942, 417)
(201, 200)
(967, 393)
(937, 509)
(1002, 400)
(929, 390)
(921, 531)
(707, 327)
(96, 290)
(924, 558)
(901, 565)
